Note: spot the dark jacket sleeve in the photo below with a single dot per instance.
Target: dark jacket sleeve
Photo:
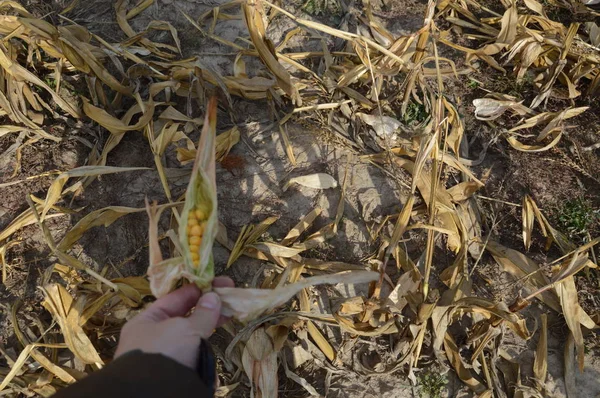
(137, 374)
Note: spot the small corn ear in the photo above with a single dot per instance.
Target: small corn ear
(198, 224)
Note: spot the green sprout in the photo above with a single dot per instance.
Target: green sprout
(431, 385)
(576, 217)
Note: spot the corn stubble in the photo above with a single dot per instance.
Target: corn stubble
(417, 316)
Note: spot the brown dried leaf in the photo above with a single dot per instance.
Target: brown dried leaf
(528, 218)
(491, 108)
(302, 226)
(248, 236)
(105, 216)
(55, 191)
(521, 266)
(313, 331)
(253, 11)
(570, 377)
(567, 293)
(314, 181)
(246, 304)
(64, 311)
(461, 370)
(463, 191)
(260, 364)
(540, 363)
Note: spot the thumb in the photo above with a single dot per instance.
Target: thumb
(206, 315)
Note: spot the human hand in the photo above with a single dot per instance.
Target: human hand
(163, 327)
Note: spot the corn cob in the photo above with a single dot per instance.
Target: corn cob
(196, 224)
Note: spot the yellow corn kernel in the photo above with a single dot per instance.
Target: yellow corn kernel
(200, 214)
(194, 249)
(195, 257)
(196, 230)
(195, 240)
(192, 222)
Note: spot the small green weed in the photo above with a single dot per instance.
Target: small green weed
(415, 113)
(50, 82)
(472, 84)
(431, 385)
(321, 7)
(576, 217)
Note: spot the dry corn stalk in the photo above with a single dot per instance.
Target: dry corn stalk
(198, 227)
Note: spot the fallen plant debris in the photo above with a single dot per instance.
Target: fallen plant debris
(384, 97)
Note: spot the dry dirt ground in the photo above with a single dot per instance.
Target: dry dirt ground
(251, 189)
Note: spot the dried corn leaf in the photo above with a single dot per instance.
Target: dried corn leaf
(535, 6)
(55, 192)
(277, 250)
(540, 362)
(22, 220)
(105, 216)
(570, 378)
(67, 314)
(314, 181)
(18, 72)
(260, 364)
(300, 380)
(302, 226)
(122, 20)
(140, 7)
(461, 370)
(248, 236)
(528, 218)
(509, 22)
(400, 227)
(226, 141)
(384, 126)
(518, 145)
(115, 125)
(313, 331)
(51, 367)
(463, 191)
(253, 11)
(246, 304)
(225, 391)
(169, 133)
(521, 266)
(567, 293)
(556, 68)
(16, 366)
(491, 108)
(446, 211)
(223, 145)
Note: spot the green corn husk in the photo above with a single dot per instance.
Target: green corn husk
(201, 193)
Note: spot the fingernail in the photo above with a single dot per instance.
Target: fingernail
(210, 301)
